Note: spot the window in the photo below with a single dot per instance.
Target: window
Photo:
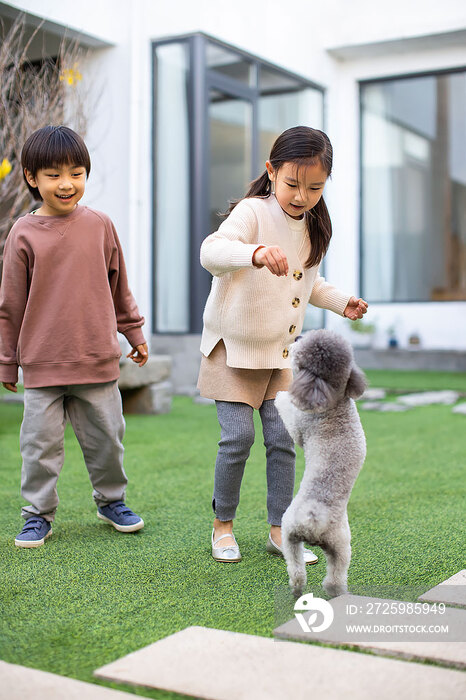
(217, 112)
(413, 184)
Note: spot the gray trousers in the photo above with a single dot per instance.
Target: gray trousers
(237, 438)
(95, 413)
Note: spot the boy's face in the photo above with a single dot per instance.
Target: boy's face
(60, 187)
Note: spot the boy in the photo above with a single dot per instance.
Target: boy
(64, 294)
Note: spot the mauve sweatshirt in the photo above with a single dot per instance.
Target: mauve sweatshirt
(64, 295)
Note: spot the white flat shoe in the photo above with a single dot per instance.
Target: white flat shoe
(272, 548)
(230, 553)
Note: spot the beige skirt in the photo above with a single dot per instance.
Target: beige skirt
(252, 386)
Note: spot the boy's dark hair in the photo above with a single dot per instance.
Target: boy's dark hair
(50, 147)
(301, 145)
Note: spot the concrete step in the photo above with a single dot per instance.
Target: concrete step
(19, 682)
(210, 663)
(393, 630)
(451, 592)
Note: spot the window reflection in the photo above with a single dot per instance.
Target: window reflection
(414, 189)
(228, 63)
(230, 121)
(172, 189)
(282, 111)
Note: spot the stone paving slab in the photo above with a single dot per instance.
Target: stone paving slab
(395, 640)
(12, 398)
(19, 682)
(373, 394)
(451, 592)
(460, 408)
(210, 663)
(387, 406)
(426, 398)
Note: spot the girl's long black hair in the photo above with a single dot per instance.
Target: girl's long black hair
(303, 146)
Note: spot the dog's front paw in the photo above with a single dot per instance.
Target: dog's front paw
(334, 588)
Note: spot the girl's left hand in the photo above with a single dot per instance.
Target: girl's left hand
(355, 308)
(139, 354)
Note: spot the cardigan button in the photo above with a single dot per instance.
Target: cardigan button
(285, 353)
(297, 274)
(292, 328)
(295, 302)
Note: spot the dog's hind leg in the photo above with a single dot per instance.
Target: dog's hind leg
(337, 548)
(293, 551)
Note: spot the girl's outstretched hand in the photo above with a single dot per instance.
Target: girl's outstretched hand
(355, 308)
(139, 354)
(273, 258)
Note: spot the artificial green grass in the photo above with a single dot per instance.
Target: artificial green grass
(411, 380)
(91, 595)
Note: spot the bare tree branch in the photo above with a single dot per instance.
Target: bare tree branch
(33, 94)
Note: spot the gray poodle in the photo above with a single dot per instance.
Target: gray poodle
(321, 417)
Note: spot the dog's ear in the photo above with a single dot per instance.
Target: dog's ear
(356, 384)
(311, 391)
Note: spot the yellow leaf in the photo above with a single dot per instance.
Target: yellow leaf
(5, 168)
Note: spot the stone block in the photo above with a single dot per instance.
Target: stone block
(157, 369)
(153, 399)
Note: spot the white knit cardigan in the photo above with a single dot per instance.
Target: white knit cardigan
(256, 313)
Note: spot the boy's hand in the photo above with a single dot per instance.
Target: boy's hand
(355, 308)
(273, 258)
(139, 354)
(10, 387)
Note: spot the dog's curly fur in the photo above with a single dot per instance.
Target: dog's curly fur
(321, 417)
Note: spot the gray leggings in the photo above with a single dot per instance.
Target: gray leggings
(237, 438)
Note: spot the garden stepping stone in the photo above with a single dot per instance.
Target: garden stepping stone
(388, 407)
(426, 398)
(373, 394)
(451, 653)
(12, 398)
(460, 408)
(19, 682)
(451, 592)
(210, 663)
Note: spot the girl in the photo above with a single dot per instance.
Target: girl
(265, 259)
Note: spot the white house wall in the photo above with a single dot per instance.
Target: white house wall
(305, 37)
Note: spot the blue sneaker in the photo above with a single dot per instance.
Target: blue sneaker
(34, 533)
(120, 516)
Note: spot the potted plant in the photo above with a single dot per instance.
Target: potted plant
(361, 333)
(392, 337)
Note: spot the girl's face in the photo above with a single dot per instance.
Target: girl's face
(298, 188)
